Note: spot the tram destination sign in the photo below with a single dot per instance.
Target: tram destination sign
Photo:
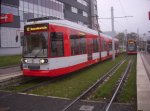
(36, 27)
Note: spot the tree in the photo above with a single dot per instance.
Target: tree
(121, 37)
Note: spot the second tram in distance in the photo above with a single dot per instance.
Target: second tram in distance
(57, 47)
(131, 46)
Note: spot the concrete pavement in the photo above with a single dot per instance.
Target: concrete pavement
(143, 86)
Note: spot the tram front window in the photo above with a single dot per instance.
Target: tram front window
(35, 44)
(131, 47)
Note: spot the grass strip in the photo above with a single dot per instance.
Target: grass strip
(9, 60)
(106, 89)
(26, 85)
(75, 84)
(128, 93)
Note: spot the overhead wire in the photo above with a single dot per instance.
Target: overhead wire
(125, 14)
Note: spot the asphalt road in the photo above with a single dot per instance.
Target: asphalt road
(23, 102)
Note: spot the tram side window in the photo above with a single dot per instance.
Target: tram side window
(57, 44)
(78, 45)
(104, 46)
(110, 46)
(95, 45)
(75, 45)
(82, 45)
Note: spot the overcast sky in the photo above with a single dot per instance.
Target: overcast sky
(137, 8)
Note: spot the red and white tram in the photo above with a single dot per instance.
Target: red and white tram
(58, 47)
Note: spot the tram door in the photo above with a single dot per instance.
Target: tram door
(108, 49)
(89, 48)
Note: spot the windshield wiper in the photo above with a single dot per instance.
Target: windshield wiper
(38, 53)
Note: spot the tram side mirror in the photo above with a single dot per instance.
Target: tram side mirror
(22, 40)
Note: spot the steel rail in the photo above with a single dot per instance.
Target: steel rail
(40, 84)
(37, 85)
(11, 66)
(34, 86)
(99, 81)
(119, 85)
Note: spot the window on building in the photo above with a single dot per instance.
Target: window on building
(30, 15)
(74, 10)
(85, 14)
(83, 2)
(80, 11)
(40, 10)
(26, 6)
(25, 16)
(57, 44)
(21, 5)
(21, 15)
(9, 9)
(67, 7)
(31, 8)
(35, 8)
(36, 2)
(43, 3)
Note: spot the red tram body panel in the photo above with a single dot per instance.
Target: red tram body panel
(57, 47)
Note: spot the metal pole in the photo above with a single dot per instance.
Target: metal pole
(113, 32)
(138, 43)
(146, 45)
(98, 29)
(125, 40)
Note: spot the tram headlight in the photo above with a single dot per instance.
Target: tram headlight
(25, 60)
(43, 61)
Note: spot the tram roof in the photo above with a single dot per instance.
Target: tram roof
(69, 24)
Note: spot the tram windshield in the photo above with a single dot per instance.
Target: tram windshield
(131, 47)
(35, 44)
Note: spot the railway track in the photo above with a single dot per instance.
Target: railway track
(107, 106)
(36, 85)
(43, 82)
(95, 85)
(13, 79)
(47, 82)
(32, 87)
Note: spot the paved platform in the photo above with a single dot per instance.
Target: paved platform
(146, 61)
(143, 86)
(24, 102)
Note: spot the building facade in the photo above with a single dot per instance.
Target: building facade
(9, 27)
(83, 12)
